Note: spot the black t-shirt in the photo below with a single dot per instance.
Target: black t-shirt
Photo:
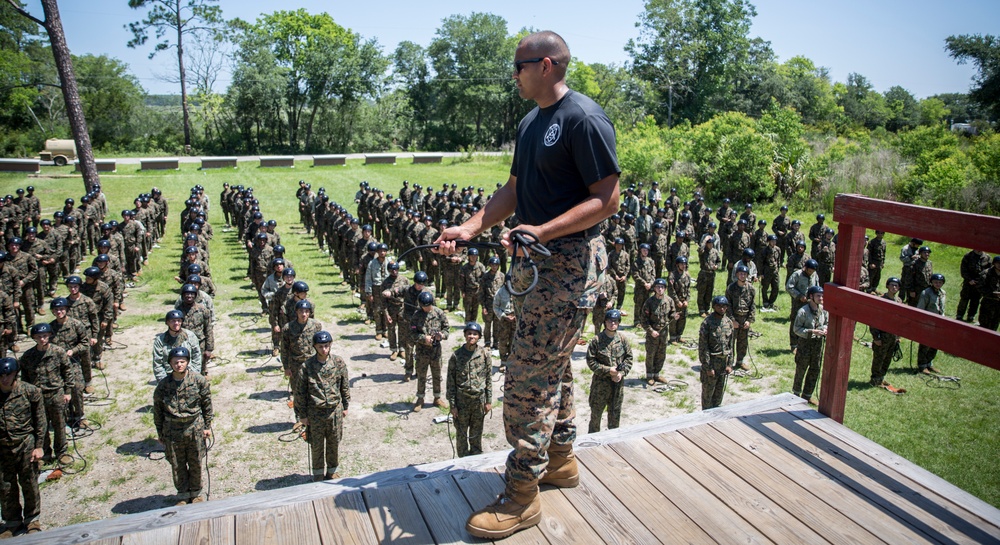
(561, 150)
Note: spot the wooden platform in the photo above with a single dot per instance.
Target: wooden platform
(766, 471)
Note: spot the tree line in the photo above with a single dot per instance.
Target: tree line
(699, 102)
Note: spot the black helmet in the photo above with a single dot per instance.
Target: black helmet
(179, 352)
(473, 251)
(193, 279)
(41, 328)
(189, 288)
(659, 282)
(811, 264)
(473, 326)
(619, 240)
(304, 304)
(813, 290)
(493, 261)
(322, 337)
(613, 314)
(174, 315)
(800, 243)
(772, 237)
(937, 276)
(194, 268)
(383, 248)
(681, 259)
(261, 236)
(741, 268)
(392, 266)
(421, 277)
(425, 298)
(720, 300)
(922, 249)
(74, 280)
(8, 366)
(748, 252)
(644, 246)
(372, 246)
(58, 302)
(277, 261)
(92, 272)
(191, 250)
(299, 287)
(289, 271)
(820, 217)
(278, 249)
(761, 222)
(893, 280)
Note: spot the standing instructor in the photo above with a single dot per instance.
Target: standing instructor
(563, 182)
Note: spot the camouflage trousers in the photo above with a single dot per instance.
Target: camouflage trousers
(184, 448)
(491, 329)
(469, 427)
(51, 276)
(470, 304)
(742, 338)
(793, 339)
(20, 476)
(326, 428)
(639, 296)
(538, 388)
(881, 360)
(378, 316)
(449, 282)
(677, 326)
(620, 291)
(605, 394)
(397, 331)
(656, 352)
(705, 287)
(428, 357)
(713, 386)
(505, 338)
(808, 361)
(55, 415)
(769, 288)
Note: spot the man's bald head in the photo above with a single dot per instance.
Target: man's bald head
(547, 44)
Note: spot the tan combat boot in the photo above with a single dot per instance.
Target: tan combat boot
(562, 471)
(419, 405)
(519, 507)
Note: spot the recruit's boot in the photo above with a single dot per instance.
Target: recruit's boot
(562, 470)
(418, 405)
(519, 507)
(438, 402)
(34, 527)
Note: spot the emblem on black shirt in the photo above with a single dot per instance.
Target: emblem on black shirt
(551, 135)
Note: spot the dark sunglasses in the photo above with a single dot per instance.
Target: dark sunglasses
(519, 65)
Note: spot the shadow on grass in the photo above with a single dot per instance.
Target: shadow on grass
(274, 427)
(144, 409)
(282, 482)
(380, 378)
(265, 369)
(147, 503)
(270, 395)
(369, 357)
(401, 408)
(243, 314)
(259, 353)
(774, 352)
(258, 330)
(353, 338)
(138, 448)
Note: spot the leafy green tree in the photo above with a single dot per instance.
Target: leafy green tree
(783, 125)
(692, 52)
(904, 110)
(984, 52)
(20, 49)
(471, 57)
(734, 158)
(412, 74)
(961, 108)
(112, 98)
(933, 111)
(861, 103)
(809, 91)
(624, 97)
(171, 21)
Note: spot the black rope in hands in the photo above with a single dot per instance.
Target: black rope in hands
(523, 241)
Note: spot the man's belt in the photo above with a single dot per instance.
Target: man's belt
(586, 233)
(184, 420)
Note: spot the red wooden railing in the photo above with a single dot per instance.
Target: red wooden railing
(847, 305)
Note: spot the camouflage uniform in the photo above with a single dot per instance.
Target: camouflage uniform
(932, 301)
(489, 286)
(450, 267)
(742, 310)
(605, 353)
(165, 342)
(876, 261)
(882, 353)
(973, 268)
(606, 296)
(715, 353)
(24, 268)
(182, 410)
(104, 300)
(198, 318)
(469, 389)
(22, 429)
(796, 286)
(679, 289)
(51, 372)
(809, 355)
(917, 279)
(825, 255)
(469, 281)
(297, 347)
(656, 316)
(398, 328)
(770, 264)
(323, 395)
(8, 321)
(72, 336)
(435, 324)
(375, 274)
(643, 273)
(619, 268)
(503, 309)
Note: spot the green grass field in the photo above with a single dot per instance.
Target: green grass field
(951, 432)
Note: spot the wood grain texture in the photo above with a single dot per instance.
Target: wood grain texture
(343, 520)
(217, 531)
(285, 525)
(395, 516)
(169, 535)
(480, 488)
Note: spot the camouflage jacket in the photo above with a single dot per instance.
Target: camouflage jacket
(469, 377)
(22, 415)
(741, 302)
(296, 342)
(49, 370)
(198, 318)
(433, 323)
(85, 310)
(715, 341)
(186, 401)
(72, 336)
(657, 314)
(679, 286)
(100, 293)
(469, 277)
(396, 286)
(489, 286)
(164, 343)
(605, 353)
(324, 385)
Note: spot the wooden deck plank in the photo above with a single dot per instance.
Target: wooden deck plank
(289, 524)
(444, 509)
(343, 520)
(881, 489)
(656, 511)
(960, 499)
(721, 475)
(480, 488)
(107, 541)
(561, 522)
(217, 531)
(782, 490)
(395, 516)
(609, 519)
(713, 516)
(169, 535)
(818, 483)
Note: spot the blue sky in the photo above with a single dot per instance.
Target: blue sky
(890, 42)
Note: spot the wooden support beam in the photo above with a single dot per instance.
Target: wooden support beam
(959, 229)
